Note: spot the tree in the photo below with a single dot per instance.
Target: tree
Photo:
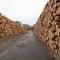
(19, 23)
(28, 27)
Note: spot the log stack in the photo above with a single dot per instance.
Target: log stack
(9, 28)
(47, 28)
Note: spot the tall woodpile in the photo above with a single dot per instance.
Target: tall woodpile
(9, 28)
(47, 27)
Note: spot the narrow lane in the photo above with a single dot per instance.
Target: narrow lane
(26, 48)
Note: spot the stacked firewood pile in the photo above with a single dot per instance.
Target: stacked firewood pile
(47, 27)
(9, 28)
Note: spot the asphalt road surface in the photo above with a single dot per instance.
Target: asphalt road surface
(26, 47)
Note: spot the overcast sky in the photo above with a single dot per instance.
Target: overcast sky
(25, 11)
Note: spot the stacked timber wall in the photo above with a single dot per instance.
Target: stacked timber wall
(9, 28)
(47, 28)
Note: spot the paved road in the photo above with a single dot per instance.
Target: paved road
(26, 48)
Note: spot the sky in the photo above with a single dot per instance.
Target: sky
(25, 11)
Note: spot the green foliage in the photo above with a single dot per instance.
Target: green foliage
(28, 27)
(19, 22)
(58, 56)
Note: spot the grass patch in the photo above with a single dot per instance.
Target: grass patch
(58, 56)
(5, 39)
